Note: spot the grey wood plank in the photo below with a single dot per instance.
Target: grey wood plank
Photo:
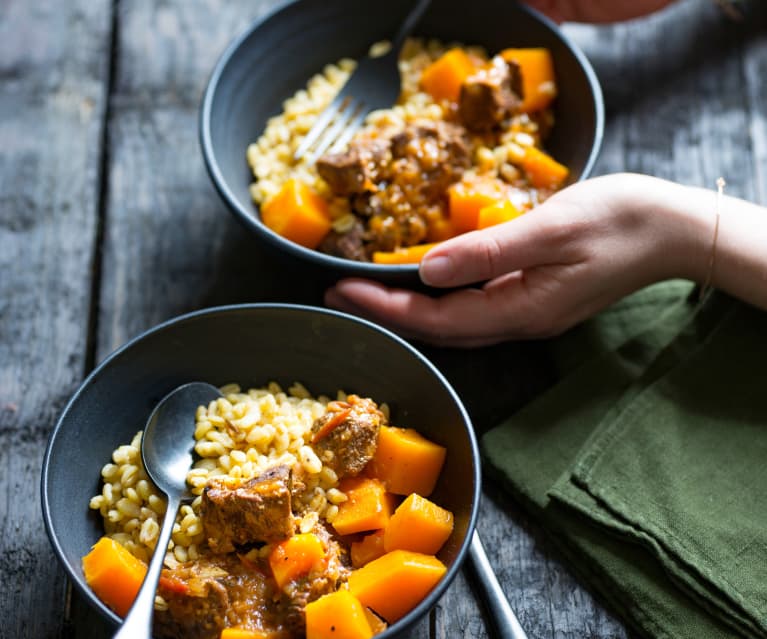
(170, 245)
(53, 67)
(755, 76)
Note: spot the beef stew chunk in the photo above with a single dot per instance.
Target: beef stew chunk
(257, 511)
(396, 181)
(212, 593)
(490, 95)
(355, 170)
(349, 245)
(298, 593)
(345, 438)
(436, 153)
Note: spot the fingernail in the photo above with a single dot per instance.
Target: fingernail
(436, 269)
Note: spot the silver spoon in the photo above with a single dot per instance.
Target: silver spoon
(505, 621)
(166, 450)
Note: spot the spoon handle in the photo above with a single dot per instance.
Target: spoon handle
(138, 622)
(505, 621)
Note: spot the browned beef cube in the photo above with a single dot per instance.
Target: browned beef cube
(447, 139)
(297, 593)
(490, 94)
(214, 592)
(435, 154)
(344, 172)
(355, 170)
(349, 245)
(257, 511)
(345, 438)
(197, 602)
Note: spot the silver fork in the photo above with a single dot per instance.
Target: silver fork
(374, 84)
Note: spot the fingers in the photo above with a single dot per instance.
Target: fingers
(596, 11)
(542, 236)
(465, 318)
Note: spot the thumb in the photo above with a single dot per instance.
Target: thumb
(533, 239)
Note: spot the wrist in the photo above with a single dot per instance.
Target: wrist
(679, 224)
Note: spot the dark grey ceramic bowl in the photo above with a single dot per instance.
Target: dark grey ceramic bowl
(278, 54)
(252, 345)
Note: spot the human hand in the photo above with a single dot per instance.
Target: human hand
(547, 270)
(596, 11)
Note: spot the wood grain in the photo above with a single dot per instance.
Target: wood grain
(93, 89)
(53, 67)
(170, 246)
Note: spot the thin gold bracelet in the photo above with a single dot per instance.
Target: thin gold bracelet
(706, 288)
(731, 9)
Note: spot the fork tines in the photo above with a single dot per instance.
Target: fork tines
(333, 128)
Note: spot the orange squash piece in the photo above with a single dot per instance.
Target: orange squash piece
(443, 78)
(497, 213)
(406, 461)
(419, 525)
(114, 574)
(339, 615)
(394, 584)
(440, 230)
(467, 199)
(298, 214)
(539, 84)
(296, 556)
(543, 171)
(368, 548)
(405, 255)
(368, 506)
(377, 625)
(242, 633)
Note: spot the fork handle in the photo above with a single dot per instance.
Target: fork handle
(409, 24)
(504, 620)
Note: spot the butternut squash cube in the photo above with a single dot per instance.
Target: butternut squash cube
(377, 625)
(497, 213)
(419, 525)
(368, 548)
(394, 584)
(443, 78)
(295, 557)
(339, 615)
(242, 633)
(297, 213)
(467, 198)
(543, 171)
(405, 255)
(368, 506)
(114, 574)
(406, 461)
(539, 85)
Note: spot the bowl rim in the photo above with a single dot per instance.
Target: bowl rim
(275, 240)
(425, 604)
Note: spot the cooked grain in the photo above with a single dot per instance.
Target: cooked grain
(271, 156)
(239, 436)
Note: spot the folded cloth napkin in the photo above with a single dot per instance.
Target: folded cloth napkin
(647, 461)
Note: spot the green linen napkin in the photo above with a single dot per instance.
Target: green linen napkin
(647, 462)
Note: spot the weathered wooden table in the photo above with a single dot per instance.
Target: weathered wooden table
(109, 224)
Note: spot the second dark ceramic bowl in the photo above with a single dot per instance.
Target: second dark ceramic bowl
(253, 345)
(278, 54)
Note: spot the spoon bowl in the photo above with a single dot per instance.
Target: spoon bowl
(166, 450)
(166, 453)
